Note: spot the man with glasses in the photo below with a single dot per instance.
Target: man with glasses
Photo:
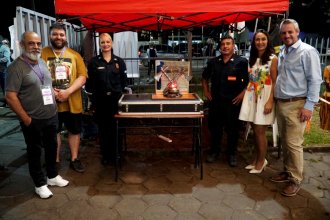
(30, 95)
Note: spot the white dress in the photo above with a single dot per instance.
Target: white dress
(257, 94)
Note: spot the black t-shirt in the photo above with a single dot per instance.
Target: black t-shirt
(227, 79)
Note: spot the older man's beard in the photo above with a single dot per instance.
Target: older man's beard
(32, 56)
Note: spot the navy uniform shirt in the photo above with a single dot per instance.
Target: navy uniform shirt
(106, 76)
(227, 79)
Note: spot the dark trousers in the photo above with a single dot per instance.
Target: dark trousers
(223, 116)
(105, 109)
(41, 133)
(151, 66)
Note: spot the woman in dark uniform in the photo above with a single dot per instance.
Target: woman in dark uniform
(107, 80)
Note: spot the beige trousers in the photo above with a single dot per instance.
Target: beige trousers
(292, 137)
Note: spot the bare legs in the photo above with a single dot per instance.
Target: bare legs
(259, 132)
(73, 141)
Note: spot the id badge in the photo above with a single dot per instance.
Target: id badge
(60, 72)
(47, 96)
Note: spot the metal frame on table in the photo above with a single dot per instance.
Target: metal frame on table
(196, 125)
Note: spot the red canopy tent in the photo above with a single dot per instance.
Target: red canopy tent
(135, 15)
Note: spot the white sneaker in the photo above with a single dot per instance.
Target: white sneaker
(57, 181)
(43, 192)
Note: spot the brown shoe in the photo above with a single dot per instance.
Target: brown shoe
(280, 178)
(291, 189)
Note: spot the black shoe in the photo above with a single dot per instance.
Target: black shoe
(76, 165)
(211, 158)
(232, 161)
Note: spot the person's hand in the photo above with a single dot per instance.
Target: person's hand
(238, 99)
(305, 115)
(62, 95)
(268, 107)
(208, 95)
(27, 122)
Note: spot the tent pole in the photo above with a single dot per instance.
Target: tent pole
(94, 39)
(202, 34)
(189, 38)
(256, 25)
(269, 21)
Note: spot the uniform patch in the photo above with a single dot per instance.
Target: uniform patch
(231, 78)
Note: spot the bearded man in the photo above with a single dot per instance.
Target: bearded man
(69, 75)
(30, 95)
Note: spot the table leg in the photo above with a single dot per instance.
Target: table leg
(117, 151)
(199, 144)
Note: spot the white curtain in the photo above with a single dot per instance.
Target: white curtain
(125, 45)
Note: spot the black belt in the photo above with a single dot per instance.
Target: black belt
(291, 99)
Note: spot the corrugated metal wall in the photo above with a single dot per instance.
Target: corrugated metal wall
(28, 20)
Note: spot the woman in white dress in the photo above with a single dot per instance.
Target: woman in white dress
(258, 103)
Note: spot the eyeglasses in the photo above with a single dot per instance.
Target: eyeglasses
(31, 44)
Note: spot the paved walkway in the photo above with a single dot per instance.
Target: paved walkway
(157, 185)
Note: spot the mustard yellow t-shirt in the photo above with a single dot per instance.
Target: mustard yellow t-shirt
(75, 67)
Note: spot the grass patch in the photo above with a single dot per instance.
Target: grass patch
(316, 136)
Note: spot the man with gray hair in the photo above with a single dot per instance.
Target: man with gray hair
(30, 95)
(296, 92)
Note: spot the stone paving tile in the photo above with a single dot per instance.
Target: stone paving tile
(297, 201)
(259, 193)
(130, 207)
(104, 201)
(244, 203)
(133, 177)
(207, 194)
(159, 188)
(310, 190)
(216, 211)
(192, 216)
(77, 193)
(132, 190)
(157, 198)
(21, 210)
(272, 210)
(46, 214)
(247, 215)
(307, 214)
(157, 183)
(326, 158)
(185, 205)
(320, 204)
(232, 188)
(159, 212)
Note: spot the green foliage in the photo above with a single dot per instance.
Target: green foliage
(316, 136)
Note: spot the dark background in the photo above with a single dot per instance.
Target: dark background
(313, 16)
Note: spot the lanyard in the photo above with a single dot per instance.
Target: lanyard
(39, 73)
(61, 54)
